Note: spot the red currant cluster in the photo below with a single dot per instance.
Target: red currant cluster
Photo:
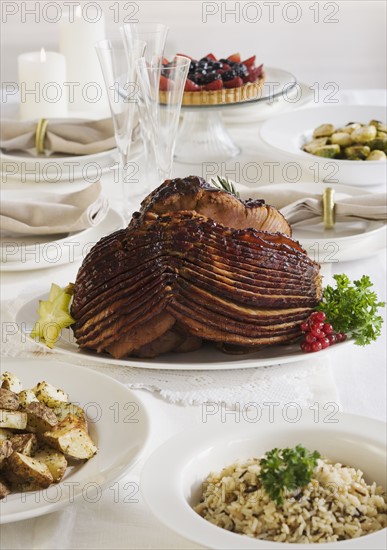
(319, 334)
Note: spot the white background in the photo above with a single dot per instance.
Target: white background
(349, 52)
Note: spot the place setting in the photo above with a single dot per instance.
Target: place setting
(193, 359)
(336, 223)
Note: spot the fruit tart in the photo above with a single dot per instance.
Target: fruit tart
(213, 81)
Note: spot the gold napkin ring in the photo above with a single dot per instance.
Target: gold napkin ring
(40, 135)
(328, 207)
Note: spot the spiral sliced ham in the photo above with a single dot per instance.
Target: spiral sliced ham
(193, 193)
(195, 264)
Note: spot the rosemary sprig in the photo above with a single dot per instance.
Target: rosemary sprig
(225, 185)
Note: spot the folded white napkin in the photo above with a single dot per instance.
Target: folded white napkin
(299, 207)
(71, 137)
(52, 213)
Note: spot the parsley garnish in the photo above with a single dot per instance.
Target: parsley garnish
(352, 308)
(287, 469)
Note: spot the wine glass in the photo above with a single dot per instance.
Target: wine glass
(118, 64)
(161, 93)
(153, 34)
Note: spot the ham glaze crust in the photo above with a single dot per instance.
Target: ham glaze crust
(195, 264)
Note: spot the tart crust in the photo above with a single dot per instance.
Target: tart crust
(251, 90)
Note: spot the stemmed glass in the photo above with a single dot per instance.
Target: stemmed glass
(153, 34)
(161, 93)
(118, 64)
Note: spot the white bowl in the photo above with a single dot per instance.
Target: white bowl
(288, 132)
(172, 478)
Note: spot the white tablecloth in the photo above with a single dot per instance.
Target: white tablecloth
(359, 375)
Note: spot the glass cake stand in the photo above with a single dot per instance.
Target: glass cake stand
(203, 136)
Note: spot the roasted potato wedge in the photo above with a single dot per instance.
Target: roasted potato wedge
(5, 434)
(71, 421)
(72, 410)
(9, 400)
(55, 461)
(26, 397)
(5, 489)
(11, 382)
(39, 428)
(71, 438)
(49, 395)
(29, 470)
(26, 444)
(40, 418)
(5, 451)
(15, 420)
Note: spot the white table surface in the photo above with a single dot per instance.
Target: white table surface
(359, 373)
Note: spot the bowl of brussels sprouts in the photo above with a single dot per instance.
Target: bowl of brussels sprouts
(344, 144)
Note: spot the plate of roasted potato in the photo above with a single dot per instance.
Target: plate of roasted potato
(337, 143)
(64, 431)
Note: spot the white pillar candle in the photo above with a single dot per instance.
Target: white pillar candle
(78, 32)
(41, 83)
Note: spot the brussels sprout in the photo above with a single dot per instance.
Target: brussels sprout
(325, 130)
(350, 127)
(327, 151)
(314, 144)
(379, 144)
(364, 134)
(357, 152)
(341, 138)
(379, 125)
(376, 155)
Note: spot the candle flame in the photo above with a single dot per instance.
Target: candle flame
(43, 56)
(78, 11)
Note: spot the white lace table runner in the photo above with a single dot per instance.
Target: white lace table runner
(303, 382)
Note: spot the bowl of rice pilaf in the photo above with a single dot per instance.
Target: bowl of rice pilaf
(335, 503)
(254, 482)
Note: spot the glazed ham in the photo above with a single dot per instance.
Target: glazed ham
(177, 277)
(193, 193)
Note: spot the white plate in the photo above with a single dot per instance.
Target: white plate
(206, 358)
(57, 168)
(187, 459)
(292, 99)
(119, 443)
(288, 132)
(346, 241)
(25, 254)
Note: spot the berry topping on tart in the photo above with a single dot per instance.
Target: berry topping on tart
(225, 80)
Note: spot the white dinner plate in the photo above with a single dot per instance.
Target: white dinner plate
(289, 131)
(120, 442)
(205, 358)
(57, 168)
(346, 241)
(30, 253)
(292, 99)
(188, 458)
